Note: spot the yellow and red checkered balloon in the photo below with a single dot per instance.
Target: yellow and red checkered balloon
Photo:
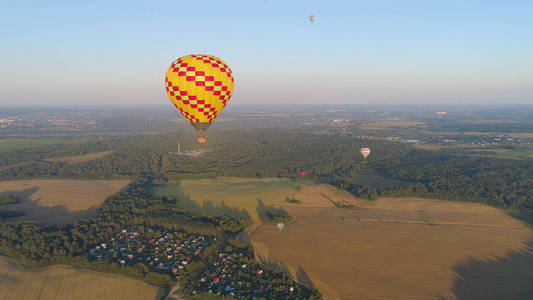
(200, 86)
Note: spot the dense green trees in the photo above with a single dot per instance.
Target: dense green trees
(498, 182)
(10, 213)
(285, 152)
(8, 199)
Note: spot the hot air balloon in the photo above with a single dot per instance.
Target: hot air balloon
(365, 152)
(302, 174)
(312, 18)
(280, 226)
(199, 86)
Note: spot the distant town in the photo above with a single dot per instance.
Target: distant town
(420, 126)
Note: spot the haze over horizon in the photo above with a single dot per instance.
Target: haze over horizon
(381, 52)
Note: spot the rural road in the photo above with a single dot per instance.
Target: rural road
(170, 295)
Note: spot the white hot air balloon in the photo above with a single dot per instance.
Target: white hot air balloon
(365, 152)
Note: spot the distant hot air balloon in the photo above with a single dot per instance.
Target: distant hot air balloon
(312, 18)
(365, 152)
(280, 226)
(200, 86)
(302, 174)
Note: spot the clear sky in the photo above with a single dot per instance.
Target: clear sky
(372, 51)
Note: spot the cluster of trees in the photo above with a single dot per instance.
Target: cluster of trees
(359, 190)
(497, 182)
(293, 200)
(275, 215)
(439, 175)
(8, 199)
(10, 213)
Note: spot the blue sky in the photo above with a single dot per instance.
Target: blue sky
(376, 52)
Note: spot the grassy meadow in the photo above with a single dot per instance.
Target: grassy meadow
(80, 158)
(11, 144)
(230, 195)
(518, 153)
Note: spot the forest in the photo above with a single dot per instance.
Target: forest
(333, 159)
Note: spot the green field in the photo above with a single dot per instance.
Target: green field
(519, 153)
(239, 197)
(10, 144)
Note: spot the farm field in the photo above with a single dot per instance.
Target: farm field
(68, 283)
(519, 153)
(396, 248)
(59, 201)
(230, 195)
(80, 158)
(10, 144)
(390, 123)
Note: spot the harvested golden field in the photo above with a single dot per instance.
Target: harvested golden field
(59, 201)
(399, 248)
(80, 158)
(68, 283)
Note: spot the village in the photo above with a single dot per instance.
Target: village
(168, 253)
(233, 272)
(239, 275)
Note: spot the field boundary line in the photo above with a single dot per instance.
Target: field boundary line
(60, 282)
(6, 274)
(28, 285)
(44, 284)
(425, 222)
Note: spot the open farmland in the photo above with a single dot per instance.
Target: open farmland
(10, 144)
(80, 158)
(518, 153)
(65, 282)
(59, 201)
(395, 248)
(390, 124)
(230, 195)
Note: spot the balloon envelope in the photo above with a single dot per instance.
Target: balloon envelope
(199, 86)
(365, 152)
(312, 18)
(280, 226)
